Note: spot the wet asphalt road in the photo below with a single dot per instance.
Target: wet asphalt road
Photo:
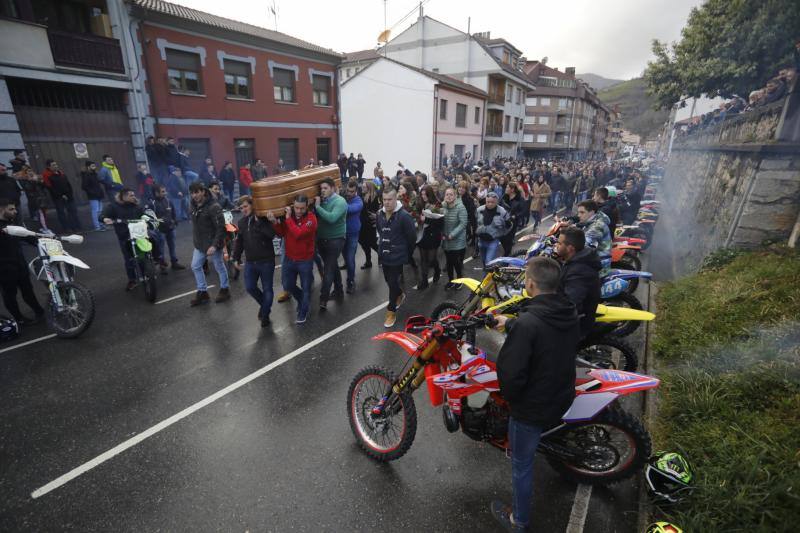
(276, 454)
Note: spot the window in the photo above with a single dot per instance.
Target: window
(458, 150)
(477, 115)
(323, 150)
(530, 101)
(461, 115)
(527, 138)
(509, 92)
(544, 101)
(287, 150)
(443, 110)
(541, 138)
(563, 103)
(183, 71)
(516, 124)
(283, 81)
(322, 89)
(508, 124)
(529, 120)
(519, 95)
(237, 79)
(506, 56)
(544, 121)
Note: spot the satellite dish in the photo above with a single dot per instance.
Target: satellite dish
(384, 36)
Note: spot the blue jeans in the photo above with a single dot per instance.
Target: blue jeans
(97, 207)
(330, 250)
(488, 250)
(349, 253)
(169, 237)
(555, 201)
(265, 270)
(177, 206)
(289, 272)
(523, 439)
(191, 176)
(198, 258)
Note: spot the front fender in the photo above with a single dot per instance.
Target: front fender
(407, 341)
(471, 284)
(610, 313)
(74, 261)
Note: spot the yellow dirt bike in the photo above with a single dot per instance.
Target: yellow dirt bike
(601, 348)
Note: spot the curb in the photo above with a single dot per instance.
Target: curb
(650, 409)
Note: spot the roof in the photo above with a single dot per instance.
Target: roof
(361, 55)
(448, 81)
(201, 17)
(506, 67)
(499, 40)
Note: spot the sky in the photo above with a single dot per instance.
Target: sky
(608, 37)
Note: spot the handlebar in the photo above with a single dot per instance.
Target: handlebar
(455, 327)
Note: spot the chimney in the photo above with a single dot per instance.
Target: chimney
(570, 71)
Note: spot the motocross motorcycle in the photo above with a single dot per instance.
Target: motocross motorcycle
(144, 264)
(70, 305)
(595, 442)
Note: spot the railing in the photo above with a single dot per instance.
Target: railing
(497, 98)
(494, 131)
(86, 51)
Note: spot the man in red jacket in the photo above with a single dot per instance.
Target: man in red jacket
(299, 231)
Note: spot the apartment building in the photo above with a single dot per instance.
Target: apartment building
(564, 118)
(491, 65)
(614, 135)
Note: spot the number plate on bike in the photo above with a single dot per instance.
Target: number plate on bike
(138, 229)
(52, 247)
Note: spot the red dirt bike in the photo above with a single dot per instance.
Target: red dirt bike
(596, 442)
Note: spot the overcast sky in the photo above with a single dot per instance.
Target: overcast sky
(609, 37)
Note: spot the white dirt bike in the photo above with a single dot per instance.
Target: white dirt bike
(70, 306)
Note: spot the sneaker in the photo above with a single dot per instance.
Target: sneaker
(400, 300)
(502, 514)
(450, 285)
(366, 266)
(323, 305)
(284, 296)
(265, 322)
(177, 266)
(390, 319)
(201, 297)
(351, 288)
(130, 286)
(301, 319)
(223, 296)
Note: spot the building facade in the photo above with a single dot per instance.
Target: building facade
(491, 65)
(399, 112)
(563, 116)
(236, 92)
(614, 135)
(66, 89)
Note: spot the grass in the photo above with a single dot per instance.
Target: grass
(728, 347)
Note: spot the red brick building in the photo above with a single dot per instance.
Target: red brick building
(235, 91)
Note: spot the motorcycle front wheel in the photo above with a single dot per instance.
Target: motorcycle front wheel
(386, 437)
(77, 310)
(622, 329)
(149, 279)
(446, 308)
(609, 352)
(611, 447)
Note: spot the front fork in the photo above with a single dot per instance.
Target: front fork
(411, 380)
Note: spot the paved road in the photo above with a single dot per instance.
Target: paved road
(272, 454)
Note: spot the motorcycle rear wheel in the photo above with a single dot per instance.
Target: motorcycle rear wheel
(386, 438)
(149, 279)
(77, 313)
(615, 444)
(625, 328)
(446, 308)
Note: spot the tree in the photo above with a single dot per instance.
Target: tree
(728, 47)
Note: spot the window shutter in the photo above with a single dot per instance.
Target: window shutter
(183, 60)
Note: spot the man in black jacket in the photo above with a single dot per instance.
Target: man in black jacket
(629, 202)
(608, 206)
(396, 240)
(164, 211)
(93, 187)
(580, 275)
(14, 269)
(536, 371)
(255, 241)
(208, 237)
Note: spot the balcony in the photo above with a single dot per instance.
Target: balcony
(86, 51)
(494, 130)
(497, 97)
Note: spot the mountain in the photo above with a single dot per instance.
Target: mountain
(636, 107)
(596, 81)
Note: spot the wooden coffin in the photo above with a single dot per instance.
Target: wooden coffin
(274, 193)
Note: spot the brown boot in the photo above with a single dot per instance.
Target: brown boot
(390, 319)
(223, 295)
(200, 298)
(284, 296)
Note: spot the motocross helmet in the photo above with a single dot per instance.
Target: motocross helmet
(668, 476)
(663, 527)
(9, 328)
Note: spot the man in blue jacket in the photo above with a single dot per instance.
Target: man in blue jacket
(354, 207)
(396, 239)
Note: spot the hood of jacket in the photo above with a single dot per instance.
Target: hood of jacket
(553, 309)
(588, 256)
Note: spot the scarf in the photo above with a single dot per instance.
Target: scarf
(114, 173)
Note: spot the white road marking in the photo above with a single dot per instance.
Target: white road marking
(580, 508)
(133, 441)
(165, 300)
(27, 343)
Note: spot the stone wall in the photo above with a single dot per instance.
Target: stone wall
(736, 184)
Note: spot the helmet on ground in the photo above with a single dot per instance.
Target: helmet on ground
(9, 329)
(663, 527)
(668, 476)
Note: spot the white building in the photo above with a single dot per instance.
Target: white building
(492, 65)
(394, 112)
